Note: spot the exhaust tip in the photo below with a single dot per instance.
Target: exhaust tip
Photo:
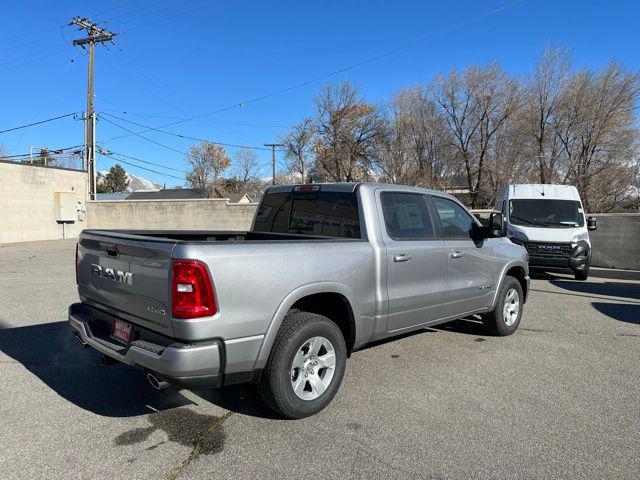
(155, 383)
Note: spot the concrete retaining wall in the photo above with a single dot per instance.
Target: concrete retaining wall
(616, 242)
(28, 213)
(28, 202)
(195, 214)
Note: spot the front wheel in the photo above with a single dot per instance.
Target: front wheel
(305, 367)
(505, 317)
(581, 274)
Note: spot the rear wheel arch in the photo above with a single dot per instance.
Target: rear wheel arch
(335, 307)
(310, 298)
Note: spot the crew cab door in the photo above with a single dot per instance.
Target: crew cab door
(471, 262)
(416, 260)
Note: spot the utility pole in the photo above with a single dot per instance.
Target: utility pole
(95, 35)
(273, 159)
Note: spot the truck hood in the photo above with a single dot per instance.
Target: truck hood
(552, 235)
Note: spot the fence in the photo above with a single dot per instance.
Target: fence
(616, 242)
(192, 214)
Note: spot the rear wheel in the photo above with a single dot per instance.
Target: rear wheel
(305, 367)
(505, 317)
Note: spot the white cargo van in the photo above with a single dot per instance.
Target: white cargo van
(549, 221)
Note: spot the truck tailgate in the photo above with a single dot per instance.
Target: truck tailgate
(129, 275)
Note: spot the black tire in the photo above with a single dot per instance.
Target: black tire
(494, 321)
(581, 274)
(275, 384)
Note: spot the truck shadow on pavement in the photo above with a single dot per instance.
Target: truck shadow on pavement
(50, 352)
(603, 289)
(623, 312)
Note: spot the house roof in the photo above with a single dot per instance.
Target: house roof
(168, 194)
(236, 197)
(112, 196)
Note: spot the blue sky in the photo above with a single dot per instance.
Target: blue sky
(174, 60)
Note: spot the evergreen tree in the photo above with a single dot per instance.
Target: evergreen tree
(114, 181)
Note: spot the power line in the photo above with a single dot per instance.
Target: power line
(51, 150)
(38, 123)
(28, 34)
(145, 138)
(141, 168)
(215, 122)
(187, 137)
(186, 154)
(144, 161)
(345, 69)
(167, 17)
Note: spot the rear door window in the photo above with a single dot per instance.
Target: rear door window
(406, 216)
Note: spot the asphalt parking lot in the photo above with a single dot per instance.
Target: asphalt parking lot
(559, 399)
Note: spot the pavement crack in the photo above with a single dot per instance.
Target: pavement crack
(568, 332)
(197, 446)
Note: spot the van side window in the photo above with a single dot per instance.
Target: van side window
(455, 221)
(406, 216)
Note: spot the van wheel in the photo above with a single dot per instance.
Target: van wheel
(504, 319)
(305, 367)
(581, 274)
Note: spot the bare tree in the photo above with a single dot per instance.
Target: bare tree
(476, 104)
(3, 151)
(488, 128)
(206, 162)
(297, 145)
(595, 126)
(246, 162)
(413, 148)
(542, 93)
(348, 128)
(497, 98)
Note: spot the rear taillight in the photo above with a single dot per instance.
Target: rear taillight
(191, 290)
(77, 283)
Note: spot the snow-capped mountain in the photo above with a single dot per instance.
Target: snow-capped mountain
(141, 184)
(137, 184)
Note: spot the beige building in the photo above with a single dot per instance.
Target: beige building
(41, 203)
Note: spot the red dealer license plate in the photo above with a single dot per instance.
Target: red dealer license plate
(121, 331)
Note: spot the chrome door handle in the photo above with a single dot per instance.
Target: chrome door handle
(403, 257)
(456, 254)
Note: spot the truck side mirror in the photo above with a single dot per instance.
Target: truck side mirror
(592, 224)
(496, 224)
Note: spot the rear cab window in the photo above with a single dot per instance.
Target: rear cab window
(317, 213)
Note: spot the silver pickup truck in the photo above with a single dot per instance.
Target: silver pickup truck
(324, 270)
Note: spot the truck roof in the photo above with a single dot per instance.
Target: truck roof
(352, 186)
(539, 190)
